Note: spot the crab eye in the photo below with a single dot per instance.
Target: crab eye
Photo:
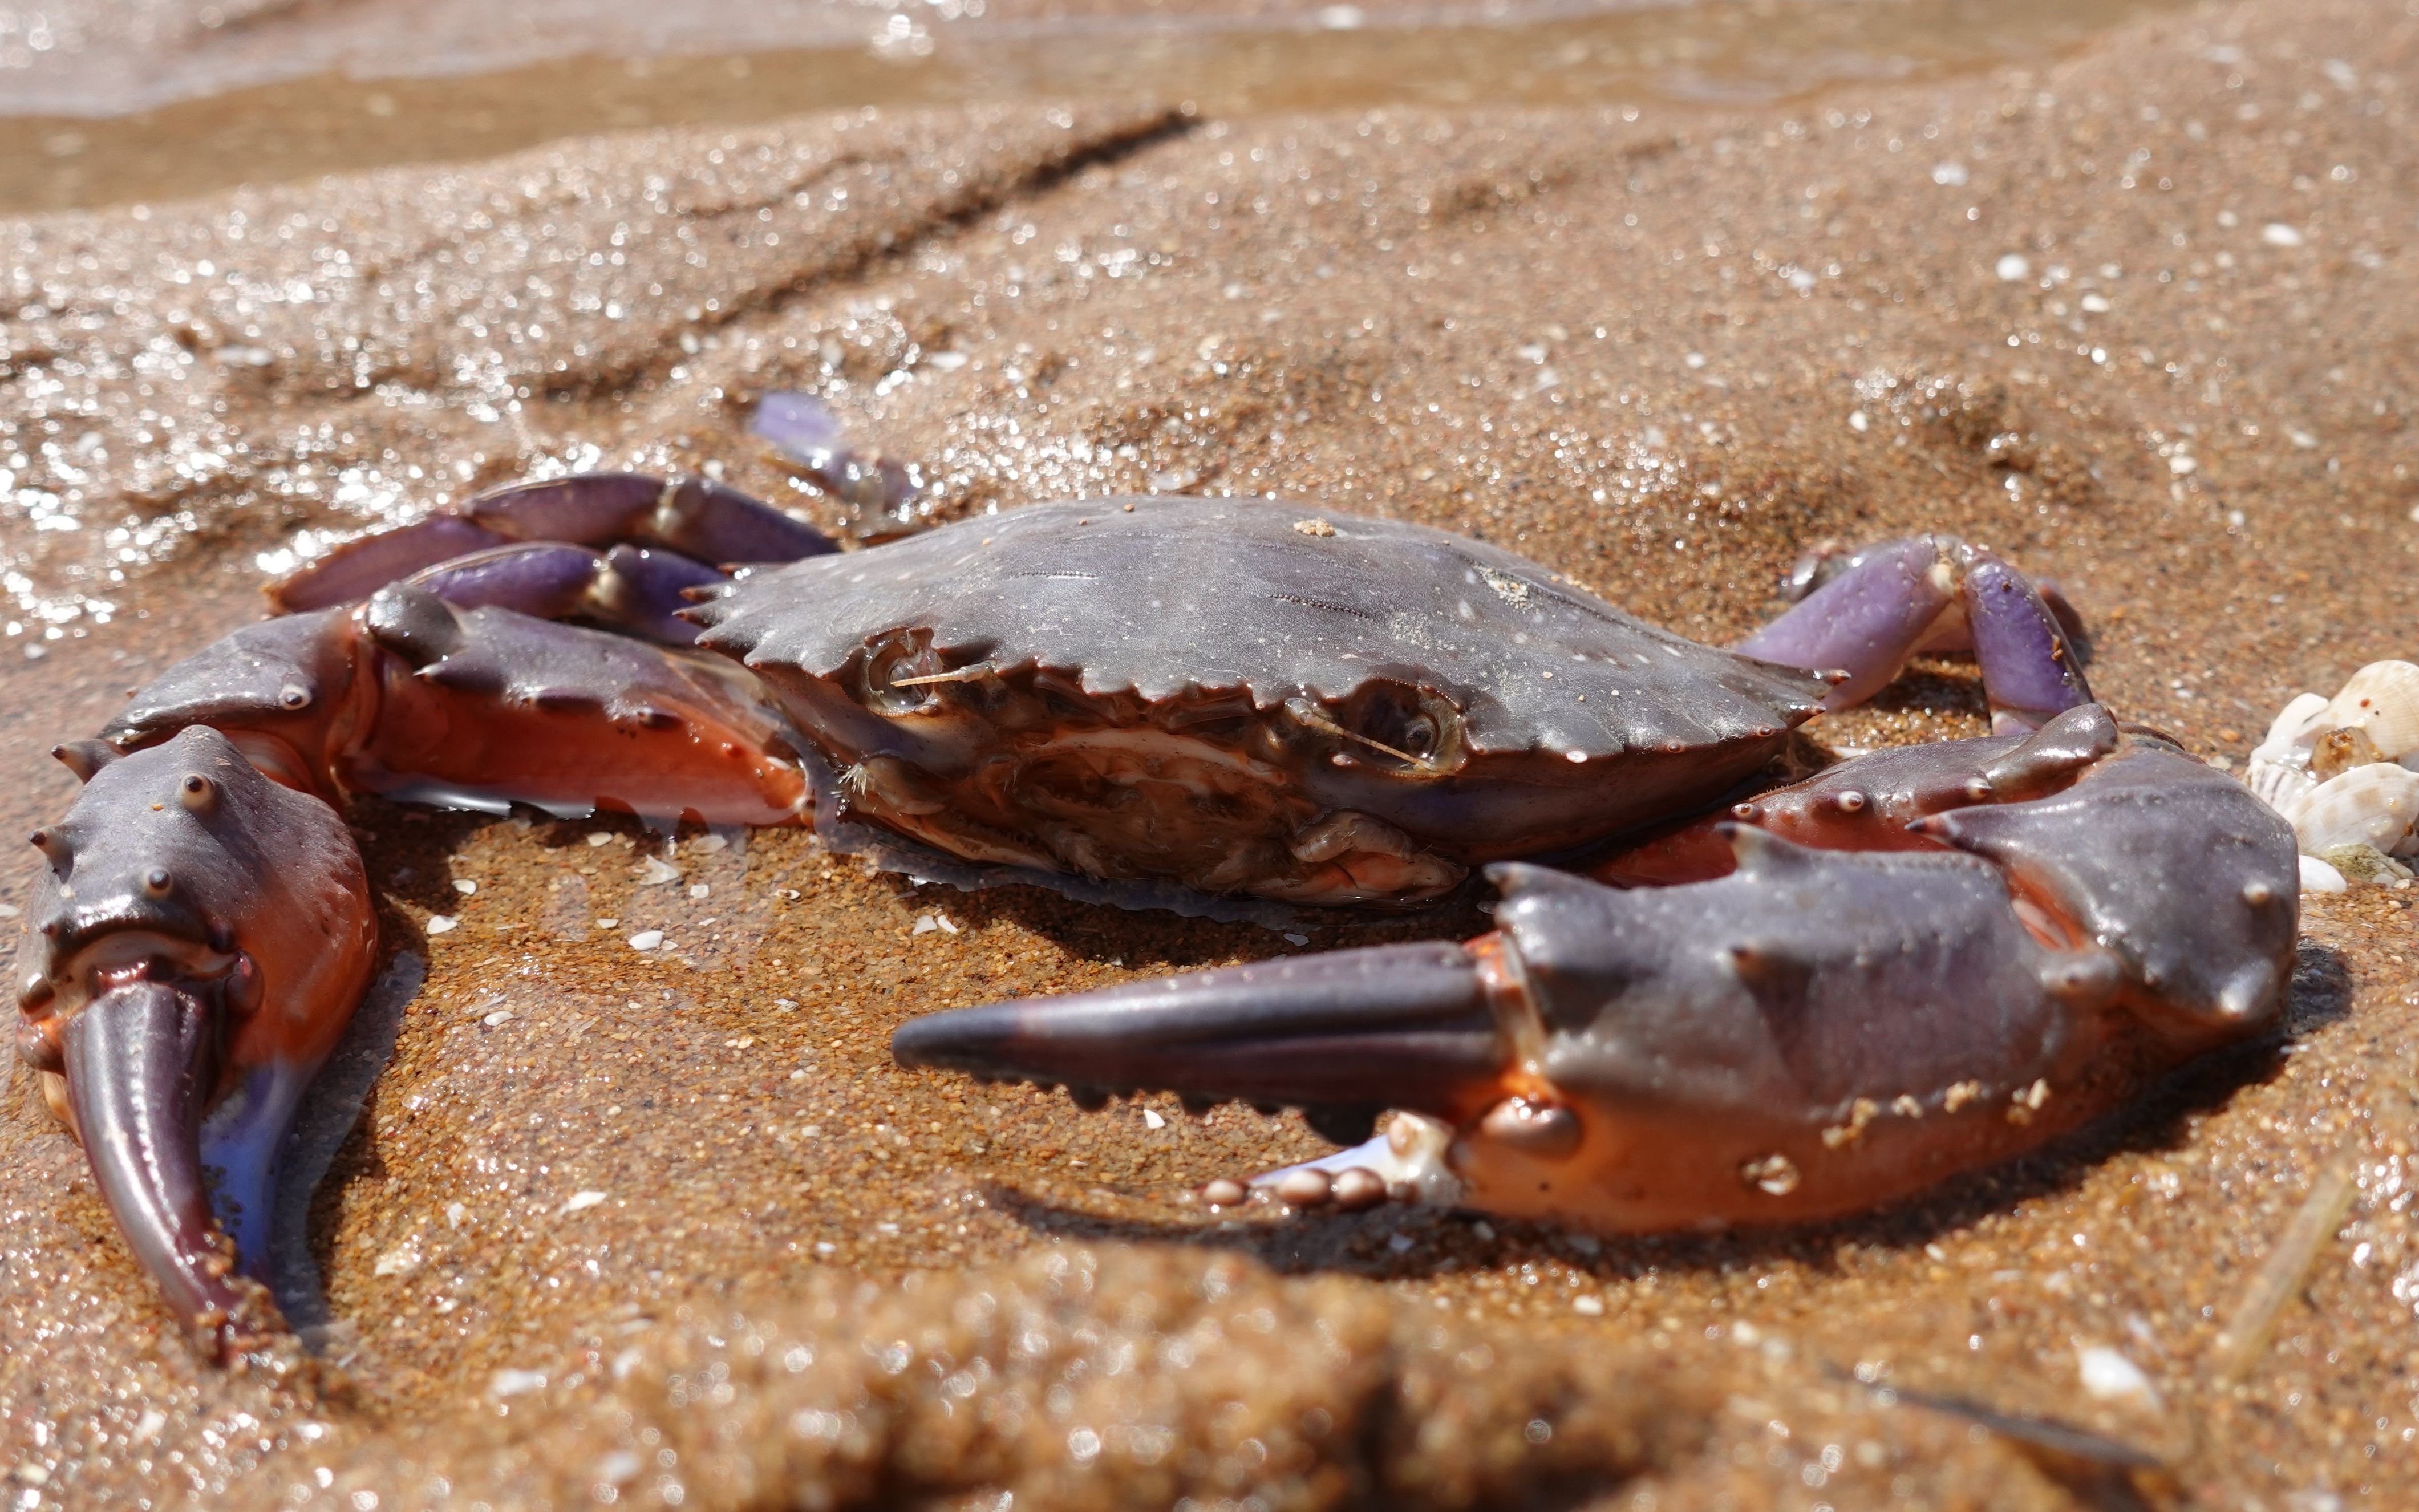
(1409, 729)
(196, 791)
(892, 669)
(157, 883)
(293, 696)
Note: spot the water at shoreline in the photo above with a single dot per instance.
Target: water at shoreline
(441, 104)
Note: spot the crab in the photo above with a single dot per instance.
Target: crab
(1910, 966)
(1237, 697)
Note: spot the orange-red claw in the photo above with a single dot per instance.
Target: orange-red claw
(1818, 1032)
(199, 943)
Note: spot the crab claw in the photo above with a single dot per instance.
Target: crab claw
(1341, 1036)
(199, 941)
(136, 1061)
(1814, 1034)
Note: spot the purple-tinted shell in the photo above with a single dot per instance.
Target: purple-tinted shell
(1162, 596)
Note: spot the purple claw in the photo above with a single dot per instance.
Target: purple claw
(803, 428)
(696, 516)
(1864, 621)
(637, 589)
(138, 1062)
(2029, 670)
(356, 569)
(1818, 1032)
(199, 940)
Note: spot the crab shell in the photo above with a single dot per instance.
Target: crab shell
(1244, 696)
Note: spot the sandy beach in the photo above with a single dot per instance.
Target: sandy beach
(2141, 318)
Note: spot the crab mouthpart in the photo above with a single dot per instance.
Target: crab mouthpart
(1407, 1027)
(139, 1060)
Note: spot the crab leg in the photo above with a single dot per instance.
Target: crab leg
(201, 938)
(1872, 803)
(637, 589)
(413, 699)
(1815, 1033)
(803, 429)
(698, 517)
(1898, 597)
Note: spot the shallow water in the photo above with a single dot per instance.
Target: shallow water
(208, 121)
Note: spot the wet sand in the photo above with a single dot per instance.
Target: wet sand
(1657, 354)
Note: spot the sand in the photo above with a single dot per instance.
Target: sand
(2141, 320)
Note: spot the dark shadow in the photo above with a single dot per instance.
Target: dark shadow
(405, 850)
(1157, 939)
(323, 1125)
(1935, 684)
(2102, 1474)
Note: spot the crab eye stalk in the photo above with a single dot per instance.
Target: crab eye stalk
(1391, 726)
(899, 672)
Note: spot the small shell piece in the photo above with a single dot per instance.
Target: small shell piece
(2371, 805)
(2279, 771)
(2383, 701)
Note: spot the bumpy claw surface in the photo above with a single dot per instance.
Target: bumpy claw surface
(410, 697)
(199, 943)
(1814, 1032)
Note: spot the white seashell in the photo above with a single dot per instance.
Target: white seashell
(2317, 876)
(2382, 699)
(2278, 772)
(2296, 721)
(2280, 787)
(2372, 805)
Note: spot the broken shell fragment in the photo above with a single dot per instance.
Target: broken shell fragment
(2364, 863)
